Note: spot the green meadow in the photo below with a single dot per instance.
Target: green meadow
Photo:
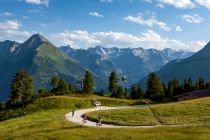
(187, 112)
(49, 123)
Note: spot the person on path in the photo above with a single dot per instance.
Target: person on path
(73, 111)
(99, 120)
(84, 119)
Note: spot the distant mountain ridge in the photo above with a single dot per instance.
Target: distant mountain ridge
(198, 65)
(103, 60)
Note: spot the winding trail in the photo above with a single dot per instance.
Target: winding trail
(77, 119)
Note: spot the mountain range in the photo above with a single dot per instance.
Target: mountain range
(43, 60)
(135, 63)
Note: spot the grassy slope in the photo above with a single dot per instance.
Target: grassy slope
(56, 102)
(50, 124)
(188, 112)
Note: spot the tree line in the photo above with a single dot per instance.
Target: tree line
(156, 90)
(22, 90)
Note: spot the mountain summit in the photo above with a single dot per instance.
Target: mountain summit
(39, 58)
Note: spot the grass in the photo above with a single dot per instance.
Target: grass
(56, 102)
(187, 112)
(50, 124)
(133, 117)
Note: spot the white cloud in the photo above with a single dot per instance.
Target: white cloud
(149, 22)
(16, 33)
(96, 14)
(197, 45)
(149, 39)
(38, 2)
(10, 28)
(182, 4)
(179, 29)
(111, 1)
(7, 14)
(33, 11)
(9, 25)
(160, 5)
(205, 3)
(149, 1)
(193, 18)
(106, 1)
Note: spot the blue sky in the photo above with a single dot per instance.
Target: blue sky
(176, 24)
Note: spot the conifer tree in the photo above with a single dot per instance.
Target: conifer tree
(54, 84)
(207, 86)
(62, 87)
(199, 84)
(119, 93)
(136, 92)
(21, 88)
(88, 83)
(113, 82)
(188, 85)
(155, 88)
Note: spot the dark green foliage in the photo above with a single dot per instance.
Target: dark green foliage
(136, 92)
(59, 86)
(119, 93)
(88, 83)
(113, 82)
(155, 90)
(207, 86)
(126, 93)
(100, 93)
(2, 106)
(54, 84)
(174, 88)
(63, 87)
(188, 85)
(199, 84)
(41, 93)
(21, 89)
(71, 88)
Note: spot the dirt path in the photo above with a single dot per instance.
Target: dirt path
(77, 119)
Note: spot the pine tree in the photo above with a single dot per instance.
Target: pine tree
(41, 93)
(199, 84)
(207, 86)
(54, 84)
(126, 93)
(119, 93)
(62, 87)
(136, 92)
(155, 89)
(88, 83)
(113, 82)
(188, 85)
(71, 88)
(21, 88)
(170, 90)
(174, 88)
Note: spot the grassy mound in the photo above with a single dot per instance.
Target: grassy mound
(187, 112)
(62, 102)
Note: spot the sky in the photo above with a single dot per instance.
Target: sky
(159, 24)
